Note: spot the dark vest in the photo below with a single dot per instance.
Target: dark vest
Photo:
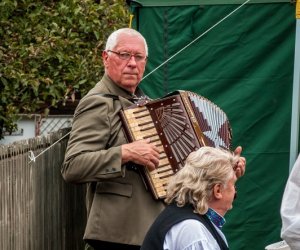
(172, 215)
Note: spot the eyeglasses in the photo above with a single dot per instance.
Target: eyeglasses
(126, 56)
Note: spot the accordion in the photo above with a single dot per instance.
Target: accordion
(177, 124)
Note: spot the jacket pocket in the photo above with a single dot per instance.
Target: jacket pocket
(117, 188)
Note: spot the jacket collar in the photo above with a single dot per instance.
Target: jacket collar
(117, 90)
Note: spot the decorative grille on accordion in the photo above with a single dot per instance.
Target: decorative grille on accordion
(177, 124)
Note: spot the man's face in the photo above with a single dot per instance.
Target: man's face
(228, 193)
(223, 196)
(126, 73)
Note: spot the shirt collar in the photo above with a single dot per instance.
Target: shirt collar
(215, 218)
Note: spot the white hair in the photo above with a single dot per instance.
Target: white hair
(112, 40)
(194, 183)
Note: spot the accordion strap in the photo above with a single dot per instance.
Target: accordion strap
(121, 98)
(115, 97)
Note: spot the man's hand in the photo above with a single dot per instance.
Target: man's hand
(241, 164)
(141, 152)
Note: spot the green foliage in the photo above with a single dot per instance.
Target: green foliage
(50, 51)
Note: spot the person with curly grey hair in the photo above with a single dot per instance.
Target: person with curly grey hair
(198, 197)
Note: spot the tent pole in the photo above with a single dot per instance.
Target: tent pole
(296, 96)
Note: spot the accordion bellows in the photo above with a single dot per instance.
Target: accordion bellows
(177, 124)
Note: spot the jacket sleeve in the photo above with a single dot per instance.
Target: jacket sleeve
(88, 157)
(290, 208)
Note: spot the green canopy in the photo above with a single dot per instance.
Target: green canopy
(244, 64)
(156, 3)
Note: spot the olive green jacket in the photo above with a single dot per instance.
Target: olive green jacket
(119, 208)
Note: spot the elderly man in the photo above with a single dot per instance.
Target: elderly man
(199, 195)
(119, 208)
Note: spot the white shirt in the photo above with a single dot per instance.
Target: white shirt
(191, 235)
(290, 208)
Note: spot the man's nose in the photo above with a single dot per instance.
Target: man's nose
(132, 60)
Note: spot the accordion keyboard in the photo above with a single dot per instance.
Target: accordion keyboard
(142, 127)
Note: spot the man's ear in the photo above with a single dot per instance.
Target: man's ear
(217, 191)
(104, 56)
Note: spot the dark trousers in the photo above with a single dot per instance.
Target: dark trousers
(103, 245)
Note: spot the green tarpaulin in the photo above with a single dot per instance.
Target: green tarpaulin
(156, 3)
(245, 66)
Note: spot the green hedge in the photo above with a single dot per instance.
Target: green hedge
(50, 52)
